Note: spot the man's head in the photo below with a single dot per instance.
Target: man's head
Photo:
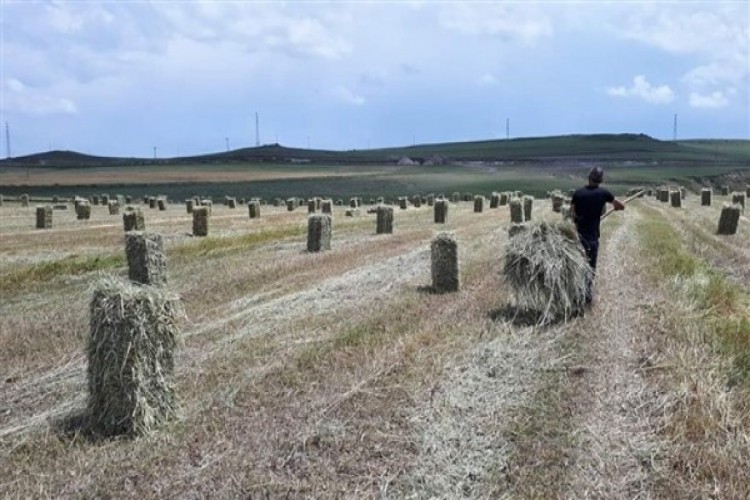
(596, 175)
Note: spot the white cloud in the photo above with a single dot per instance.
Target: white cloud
(642, 89)
(508, 21)
(347, 96)
(19, 97)
(488, 80)
(711, 101)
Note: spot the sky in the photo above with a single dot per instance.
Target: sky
(121, 78)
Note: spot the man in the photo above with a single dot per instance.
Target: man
(587, 206)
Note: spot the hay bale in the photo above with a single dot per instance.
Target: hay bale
(208, 204)
(494, 200)
(24, 200)
(132, 220)
(467, 197)
(444, 263)
(161, 203)
(354, 202)
(456, 197)
(83, 211)
(105, 199)
(528, 203)
(440, 211)
(557, 202)
(189, 204)
(311, 206)
(291, 204)
(128, 200)
(725, 190)
(318, 233)
(478, 204)
(152, 203)
(547, 269)
(706, 197)
(352, 212)
(384, 223)
(416, 201)
(113, 207)
(253, 209)
(675, 198)
(130, 351)
(402, 203)
(44, 217)
(95, 199)
(201, 216)
(739, 199)
(514, 229)
(516, 210)
(729, 219)
(430, 200)
(232, 203)
(339, 202)
(59, 207)
(504, 199)
(147, 262)
(326, 206)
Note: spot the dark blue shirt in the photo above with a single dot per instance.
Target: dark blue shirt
(589, 203)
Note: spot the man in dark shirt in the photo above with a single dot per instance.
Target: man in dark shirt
(587, 207)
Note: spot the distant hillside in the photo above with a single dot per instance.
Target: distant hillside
(601, 147)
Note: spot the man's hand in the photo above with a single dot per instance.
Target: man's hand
(618, 205)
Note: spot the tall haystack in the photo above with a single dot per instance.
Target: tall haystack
(557, 202)
(494, 200)
(547, 270)
(504, 199)
(444, 263)
(147, 262)
(114, 207)
(326, 206)
(24, 200)
(675, 198)
(189, 204)
(44, 217)
(208, 204)
(725, 190)
(528, 203)
(131, 346)
(318, 233)
(384, 224)
(354, 202)
(467, 196)
(152, 202)
(430, 200)
(83, 211)
(253, 209)
(311, 206)
(729, 219)
(440, 211)
(478, 204)
(291, 204)
(132, 220)
(201, 215)
(739, 199)
(456, 197)
(516, 210)
(402, 203)
(706, 197)
(231, 203)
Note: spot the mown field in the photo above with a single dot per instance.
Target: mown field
(339, 375)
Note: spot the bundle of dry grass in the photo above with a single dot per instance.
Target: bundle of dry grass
(44, 217)
(231, 203)
(402, 203)
(291, 204)
(128, 200)
(444, 263)
(416, 200)
(105, 199)
(725, 190)
(161, 204)
(147, 262)
(318, 233)
(516, 210)
(739, 199)
(384, 222)
(131, 347)
(528, 203)
(83, 211)
(189, 204)
(201, 216)
(504, 199)
(675, 198)
(132, 220)
(352, 212)
(478, 204)
(208, 204)
(311, 206)
(663, 195)
(455, 197)
(557, 202)
(494, 200)
(729, 219)
(151, 202)
(114, 207)
(326, 206)
(514, 229)
(547, 269)
(95, 199)
(706, 197)
(24, 200)
(430, 200)
(440, 211)
(253, 209)
(354, 202)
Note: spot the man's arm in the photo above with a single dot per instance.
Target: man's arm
(618, 204)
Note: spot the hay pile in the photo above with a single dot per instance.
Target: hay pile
(725, 190)
(291, 204)
(354, 202)
(516, 210)
(384, 224)
(24, 200)
(706, 197)
(444, 263)
(253, 209)
(318, 233)
(456, 197)
(132, 220)
(83, 211)
(189, 203)
(326, 206)
(547, 269)
(114, 207)
(729, 219)
(44, 217)
(675, 198)
(441, 211)
(200, 221)
(402, 202)
(478, 204)
(739, 199)
(416, 200)
(131, 357)
(528, 203)
(147, 262)
(494, 200)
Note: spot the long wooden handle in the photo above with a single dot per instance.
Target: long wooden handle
(636, 195)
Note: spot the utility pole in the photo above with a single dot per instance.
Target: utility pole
(257, 130)
(507, 128)
(227, 139)
(674, 131)
(7, 140)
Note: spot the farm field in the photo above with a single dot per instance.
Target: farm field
(338, 374)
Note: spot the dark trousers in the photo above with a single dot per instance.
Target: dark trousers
(591, 246)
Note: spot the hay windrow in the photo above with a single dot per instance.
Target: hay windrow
(547, 270)
(134, 331)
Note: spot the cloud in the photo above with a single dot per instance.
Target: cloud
(19, 97)
(642, 89)
(347, 96)
(711, 101)
(488, 80)
(506, 21)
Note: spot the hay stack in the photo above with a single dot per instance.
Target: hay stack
(467, 196)
(131, 358)
(161, 203)
(478, 204)
(729, 219)
(208, 204)
(384, 224)
(739, 199)
(232, 202)
(354, 202)
(456, 197)
(444, 263)
(725, 190)
(147, 262)
(494, 200)
(547, 269)
(514, 229)
(430, 200)
(291, 204)
(44, 217)
(675, 198)
(189, 204)
(528, 203)
(132, 220)
(352, 212)
(253, 209)
(311, 206)
(200, 221)
(416, 201)
(504, 199)
(105, 199)
(24, 200)
(318, 233)
(557, 202)
(95, 199)
(83, 211)
(114, 207)
(152, 202)
(402, 203)
(706, 197)
(326, 206)
(128, 200)
(516, 210)
(440, 211)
